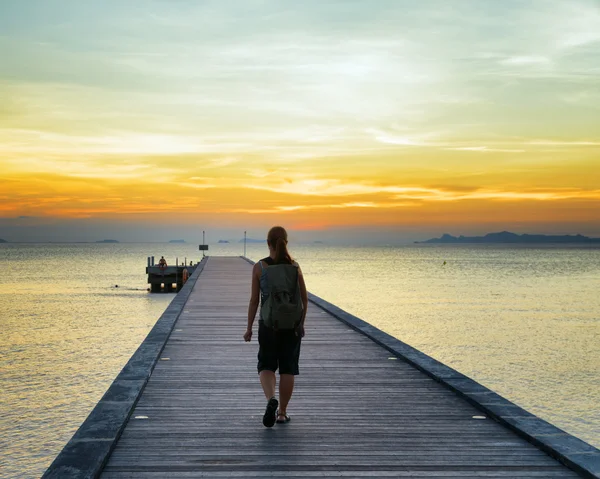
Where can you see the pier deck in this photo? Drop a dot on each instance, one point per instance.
(355, 412)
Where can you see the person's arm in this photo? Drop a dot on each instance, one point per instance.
(304, 297)
(254, 301)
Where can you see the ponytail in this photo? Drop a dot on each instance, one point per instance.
(277, 239)
(281, 253)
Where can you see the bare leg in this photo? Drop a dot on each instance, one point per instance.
(286, 388)
(268, 381)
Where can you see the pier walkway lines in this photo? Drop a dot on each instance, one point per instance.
(358, 410)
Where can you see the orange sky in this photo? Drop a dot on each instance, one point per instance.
(150, 117)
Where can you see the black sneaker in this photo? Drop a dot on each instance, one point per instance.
(270, 413)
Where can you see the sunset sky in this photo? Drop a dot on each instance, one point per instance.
(401, 118)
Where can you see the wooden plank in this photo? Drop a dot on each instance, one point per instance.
(355, 412)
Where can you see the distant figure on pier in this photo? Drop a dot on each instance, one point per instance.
(162, 262)
(281, 323)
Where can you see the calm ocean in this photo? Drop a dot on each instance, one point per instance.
(523, 321)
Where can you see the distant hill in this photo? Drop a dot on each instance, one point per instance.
(3, 241)
(177, 241)
(250, 240)
(508, 237)
(107, 241)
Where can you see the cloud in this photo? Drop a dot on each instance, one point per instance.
(221, 162)
(198, 186)
(123, 143)
(337, 188)
(486, 149)
(526, 60)
(328, 206)
(490, 194)
(395, 140)
(580, 39)
(563, 143)
(333, 187)
(416, 200)
(392, 137)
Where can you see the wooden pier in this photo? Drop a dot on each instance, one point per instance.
(365, 405)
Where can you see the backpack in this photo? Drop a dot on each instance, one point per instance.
(282, 308)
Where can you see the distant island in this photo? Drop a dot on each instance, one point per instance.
(223, 242)
(250, 240)
(107, 241)
(177, 241)
(508, 237)
(3, 241)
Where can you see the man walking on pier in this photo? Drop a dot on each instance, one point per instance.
(278, 283)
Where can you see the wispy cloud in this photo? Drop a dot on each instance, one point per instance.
(526, 60)
(395, 140)
(564, 143)
(333, 187)
(122, 143)
(337, 188)
(221, 162)
(486, 149)
(335, 206)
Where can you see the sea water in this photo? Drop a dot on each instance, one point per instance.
(523, 321)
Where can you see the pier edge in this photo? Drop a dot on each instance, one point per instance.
(88, 450)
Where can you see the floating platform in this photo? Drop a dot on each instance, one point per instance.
(167, 279)
(189, 404)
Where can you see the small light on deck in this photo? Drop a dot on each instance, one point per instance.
(178, 330)
(479, 417)
(141, 417)
(393, 358)
(165, 359)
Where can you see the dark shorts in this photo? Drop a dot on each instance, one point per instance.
(278, 349)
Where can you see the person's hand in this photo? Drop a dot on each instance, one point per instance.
(300, 330)
(248, 335)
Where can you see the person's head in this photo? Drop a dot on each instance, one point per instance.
(277, 241)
